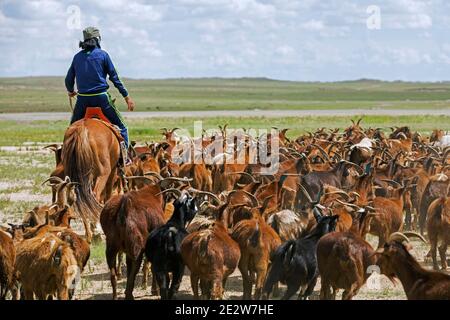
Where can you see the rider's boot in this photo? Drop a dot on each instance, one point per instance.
(126, 159)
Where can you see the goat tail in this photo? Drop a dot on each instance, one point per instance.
(280, 261)
(78, 158)
(254, 238)
(123, 209)
(203, 245)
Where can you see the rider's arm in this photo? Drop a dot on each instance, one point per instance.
(114, 77)
(70, 79)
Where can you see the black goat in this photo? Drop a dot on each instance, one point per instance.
(295, 262)
(162, 248)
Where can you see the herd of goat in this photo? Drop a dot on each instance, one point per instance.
(309, 219)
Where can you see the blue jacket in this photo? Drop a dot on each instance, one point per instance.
(90, 69)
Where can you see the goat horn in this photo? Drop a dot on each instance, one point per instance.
(173, 130)
(58, 179)
(358, 168)
(321, 151)
(355, 194)
(398, 236)
(53, 205)
(154, 174)
(341, 192)
(244, 173)
(255, 201)
(414, 234)
(348, 204)
(52, 147)
(308, 197)
(433, 149)
(178, 192)
(392, 182)
(210, 194)
(185, 179)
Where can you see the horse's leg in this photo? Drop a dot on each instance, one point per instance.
(109, 186)
(101, 184)
(88, 231)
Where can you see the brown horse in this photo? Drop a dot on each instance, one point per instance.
(90, 155)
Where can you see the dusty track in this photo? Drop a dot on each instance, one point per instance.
(31, 116)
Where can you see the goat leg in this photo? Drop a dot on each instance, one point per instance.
(260, 276)
(133, 266)
(194, 285)
(310, 287)
(408, 216)
(442, 254)
(119, 265)
(292, 288)
(433, 249)
(161, 279)
(177, 276)
(111, 255)
(145, 271)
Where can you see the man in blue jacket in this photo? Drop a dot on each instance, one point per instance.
(89, 68)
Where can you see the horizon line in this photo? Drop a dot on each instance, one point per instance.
(244, 78)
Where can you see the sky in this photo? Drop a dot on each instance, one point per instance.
(307, 40)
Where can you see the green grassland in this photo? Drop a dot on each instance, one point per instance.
(18, 133)
(40, 94)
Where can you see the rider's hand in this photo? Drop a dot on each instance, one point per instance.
(72, 94)
(130, 103)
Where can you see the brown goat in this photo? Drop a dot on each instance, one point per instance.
(78, 244)
(395, 260)
(436, 187)
(257, 241)
(389, 217)
(343, 259)
(200, 175)
(438, 227)
(211, 255)
(127, 221)
(46, 266)
(7, 260)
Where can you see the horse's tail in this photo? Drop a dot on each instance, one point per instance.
(78, 161)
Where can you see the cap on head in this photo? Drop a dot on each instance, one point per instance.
(91, 32)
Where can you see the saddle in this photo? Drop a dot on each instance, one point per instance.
(96, 113)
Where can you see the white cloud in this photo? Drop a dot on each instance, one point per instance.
(313, 25)
(285, 50)
(305, 40)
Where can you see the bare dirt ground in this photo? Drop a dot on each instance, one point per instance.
(95, 284)
(233, 113)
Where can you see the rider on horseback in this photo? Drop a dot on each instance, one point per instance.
(90, 67)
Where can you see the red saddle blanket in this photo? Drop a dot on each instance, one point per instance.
(96, 113)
